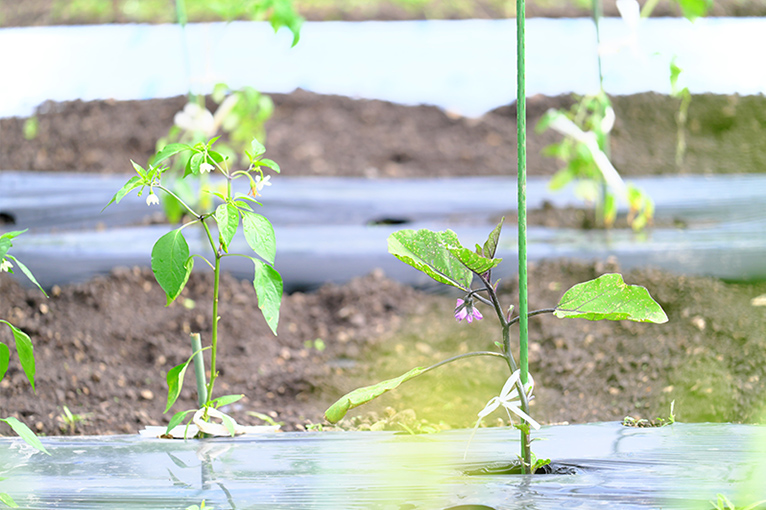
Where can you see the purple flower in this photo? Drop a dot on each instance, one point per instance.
(465, 310)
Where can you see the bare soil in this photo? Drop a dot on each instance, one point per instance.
(103, 347)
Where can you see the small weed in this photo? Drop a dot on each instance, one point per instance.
(68, 421)
(629, 421)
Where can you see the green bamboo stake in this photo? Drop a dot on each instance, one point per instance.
(199, 369)
(521, 146)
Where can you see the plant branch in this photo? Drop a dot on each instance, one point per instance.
(191, 211)
(532, 314)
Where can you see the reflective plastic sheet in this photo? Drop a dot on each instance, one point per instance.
(680, 466)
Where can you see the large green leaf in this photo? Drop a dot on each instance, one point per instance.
(25, 433)
(363, 395)
(227, 218)
(171, 263)
(25, 351)
(133, 183)
(5, 358)
(429, 252)
(268, 288)
(259, 234)
(608, 297)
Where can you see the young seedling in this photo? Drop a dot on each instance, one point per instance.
(441, 256)
(24, 350)
(172, 262)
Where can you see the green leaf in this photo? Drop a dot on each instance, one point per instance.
(5, 241)
(175, 380)
(226, 400)
(428, 251)
(608, 297)
(227, 218)
(363, 395)
(171, 263)
(5, 498)
(560, 179)
(268, 289)
(258, 148)
(28, 273)
(228, 422)
(195, 161)
(693, 9)
(25, 433)
(490, 247)
(477, 263)
(25, 351)
(5, 358)
(269, 163)
(259, 234)
(168, 151)
(133, 183)
(177, 418)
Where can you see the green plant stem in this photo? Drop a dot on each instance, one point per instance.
(532, 314)
(199, 369)
(461, 356)
(521, 146)
(166, 190)
(214, 334)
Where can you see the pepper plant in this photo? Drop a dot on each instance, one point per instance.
(241, 113)
(172, 262)
(24, 350)
(584, 150)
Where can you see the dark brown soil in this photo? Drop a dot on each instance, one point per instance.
(312, 134)
(103, 348)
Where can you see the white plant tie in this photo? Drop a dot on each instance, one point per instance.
(509, 398)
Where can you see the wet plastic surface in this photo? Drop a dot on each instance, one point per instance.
(681, 466)
(461, 65)
(340, 224)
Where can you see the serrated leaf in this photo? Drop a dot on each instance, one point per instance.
(360, 396)
(171, 263)
(490, 246)
(227, 218)
(168, 151)
(259, 234)
(25, 350)
(25, 433)
(608, 297)
(428, 251)
(28, 273)
(177, 419)
(133, 183)
(226, 400)
(5, 358)
(268, 288)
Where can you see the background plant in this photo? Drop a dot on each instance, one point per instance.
(584, 150)
(24, 350)
(172, 262)
(241, 114)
